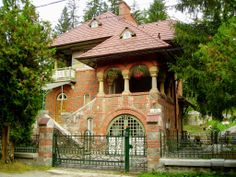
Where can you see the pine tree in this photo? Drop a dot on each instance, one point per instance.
(25, 64)
(114, 6)
(207, 62)
(137, 13)
(94, 8)
(72, 11)
(64, 23)
(156, 12)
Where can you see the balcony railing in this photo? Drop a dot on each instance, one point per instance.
(64, 74)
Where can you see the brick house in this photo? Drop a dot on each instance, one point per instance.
(111, 73)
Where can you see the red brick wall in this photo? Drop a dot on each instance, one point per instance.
(104, 109)
(86, 83)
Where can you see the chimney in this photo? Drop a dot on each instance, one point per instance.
(124, 11)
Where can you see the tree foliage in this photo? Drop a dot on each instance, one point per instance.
(72, 10)
(95, 8)
(205, 65)
(114, 6)
(156, 12)
(64, 23)
(69, 18)
(24, 65)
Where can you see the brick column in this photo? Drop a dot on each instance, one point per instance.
(46, 127)
(153, 145)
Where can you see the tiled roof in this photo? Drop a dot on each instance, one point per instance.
(147, 37)
(164, 28)
(116, 45)
(110, 24)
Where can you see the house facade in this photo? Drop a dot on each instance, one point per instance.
(112, 73)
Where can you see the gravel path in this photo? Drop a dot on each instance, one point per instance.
(67, 173)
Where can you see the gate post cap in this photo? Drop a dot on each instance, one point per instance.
(47, 122)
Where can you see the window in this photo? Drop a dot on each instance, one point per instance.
(127, 33)
(86, 99)
(94, 24)
(90, 125)
(61, 97)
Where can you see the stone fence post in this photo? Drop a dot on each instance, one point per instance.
(45, 153)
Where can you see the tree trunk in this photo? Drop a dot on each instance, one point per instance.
(7, 155)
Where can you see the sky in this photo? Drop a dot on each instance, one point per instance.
(52, 12)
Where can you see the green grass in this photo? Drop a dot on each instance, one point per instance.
(186, 174)
(18, 167)
(193, 128)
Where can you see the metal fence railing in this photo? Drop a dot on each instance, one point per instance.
(98, 151)
(198, 145)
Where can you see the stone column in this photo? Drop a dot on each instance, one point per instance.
(154, 72)
(45, 152)
(125, 74)
(110, 87)
(162, 84)
(101, 84)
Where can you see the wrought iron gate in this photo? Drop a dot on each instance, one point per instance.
(100, 151)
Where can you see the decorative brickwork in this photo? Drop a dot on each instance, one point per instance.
(45, 152)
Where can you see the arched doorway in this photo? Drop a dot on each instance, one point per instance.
(140, 80)
(116, 131)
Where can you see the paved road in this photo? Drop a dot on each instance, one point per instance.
(67, 173)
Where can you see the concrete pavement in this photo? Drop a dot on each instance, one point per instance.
(68, 172)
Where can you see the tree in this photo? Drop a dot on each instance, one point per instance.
(114, 6)
(64, 23)
(137, 13)
(25, 64)
(94, 8)
(69, 18)
(206, 75)
(156, 12)
(72, 10)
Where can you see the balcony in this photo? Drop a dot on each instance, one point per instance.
(64, 74)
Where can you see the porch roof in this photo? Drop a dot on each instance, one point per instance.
(54, 85)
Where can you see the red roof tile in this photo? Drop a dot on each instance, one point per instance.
(164, 28)
(148, 36)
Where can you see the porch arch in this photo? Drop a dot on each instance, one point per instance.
(111, 116)
(119, 123)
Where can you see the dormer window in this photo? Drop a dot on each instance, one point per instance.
(94, 24)
(127, 33)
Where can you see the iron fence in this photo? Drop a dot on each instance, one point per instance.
(198, 145)
(98, 151)
(25, 147)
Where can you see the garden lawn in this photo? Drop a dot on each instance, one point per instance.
(18, 167)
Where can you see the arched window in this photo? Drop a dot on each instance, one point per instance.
(61, 97)
(118, 125)
(86, 99)
(90, 125)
